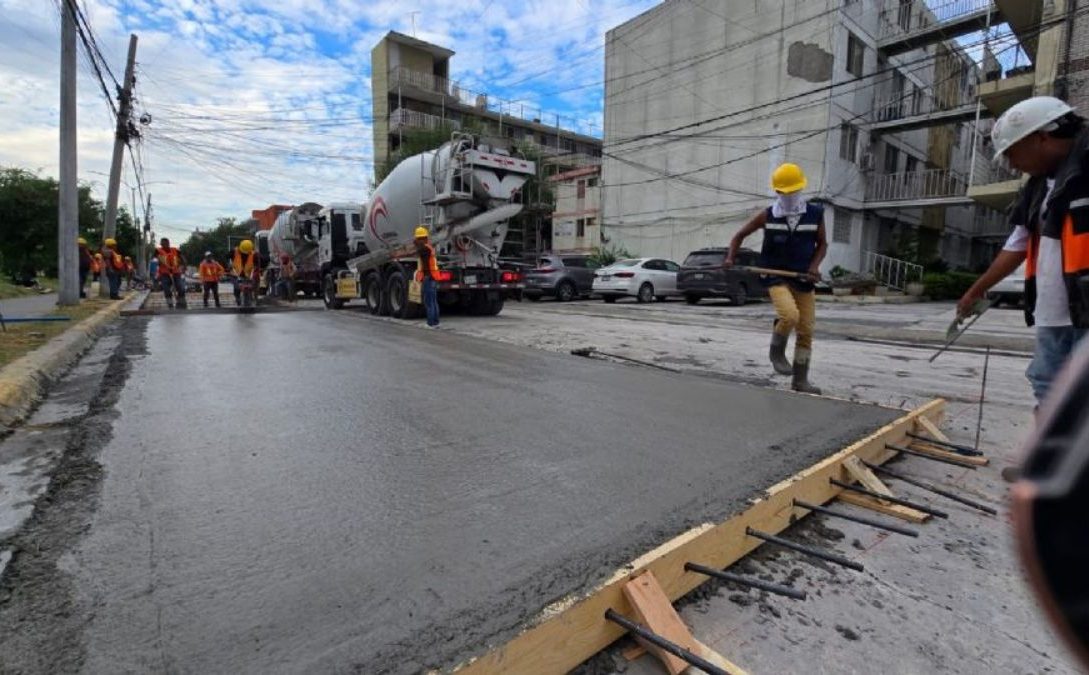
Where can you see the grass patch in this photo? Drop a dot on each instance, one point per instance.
(10, 290)
(22, 338)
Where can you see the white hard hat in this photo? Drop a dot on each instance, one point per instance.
(1028, 116)
(207, 253)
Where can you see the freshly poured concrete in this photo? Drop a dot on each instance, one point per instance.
(327, 493)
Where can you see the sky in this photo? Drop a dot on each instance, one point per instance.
(256, 102)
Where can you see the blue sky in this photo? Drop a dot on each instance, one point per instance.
(268, 101)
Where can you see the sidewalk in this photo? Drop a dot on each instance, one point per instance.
(28, 306)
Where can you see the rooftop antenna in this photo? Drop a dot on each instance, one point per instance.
(412, 17)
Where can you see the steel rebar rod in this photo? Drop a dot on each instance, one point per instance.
(916, 453)
(663, 643)
(932, 488)
(777, 589)
(895, 500)
(955, 447)
(807, 550)
(858, 519)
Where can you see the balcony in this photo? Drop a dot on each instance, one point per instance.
(897, 113)
(917, 189)
(410, 119)
(911, 25)
(999, 95)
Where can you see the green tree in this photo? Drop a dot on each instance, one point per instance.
(217, 240)
(28, 211)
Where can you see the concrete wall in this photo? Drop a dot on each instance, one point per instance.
(380, 101)
(1077, 63)
(570, 209)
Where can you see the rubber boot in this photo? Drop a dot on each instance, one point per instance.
(801, 373)
(777, 354)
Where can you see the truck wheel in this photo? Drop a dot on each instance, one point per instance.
(565, 292)
(646, 293)
(397, 295)
(482, 305)
(330, 294)
(372, 293)
(692, 299)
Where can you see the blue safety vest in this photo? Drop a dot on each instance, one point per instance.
(791, 246)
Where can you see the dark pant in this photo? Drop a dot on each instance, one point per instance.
(213, 288)
(431, 301)
(83, 274)
(114, 279)
(173, 284)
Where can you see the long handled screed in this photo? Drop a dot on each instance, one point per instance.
(772, 272)
(956, 330)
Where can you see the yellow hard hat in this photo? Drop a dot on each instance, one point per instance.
(421, 231)
(788, 178)
(98, 255)
(81, 241)
(111, 242)
(246, 246)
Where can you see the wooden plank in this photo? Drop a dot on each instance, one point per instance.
(633, 652)
(861, 473)
(954, 457)
(896, 510)
(718, 660)
(653, 609)
(574, 629)
(928, 427)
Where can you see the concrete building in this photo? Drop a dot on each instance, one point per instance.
(875, 99)
(576, 222)
(266, 218)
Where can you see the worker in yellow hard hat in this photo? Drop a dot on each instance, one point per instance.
(427, 273)
(794, 242)
(86, 262)
(244, 266)
(171, 270)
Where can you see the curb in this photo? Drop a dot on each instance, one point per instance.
(24, 381)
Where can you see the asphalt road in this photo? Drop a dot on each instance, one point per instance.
(325, 492)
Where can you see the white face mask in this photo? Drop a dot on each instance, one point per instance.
(789, 205)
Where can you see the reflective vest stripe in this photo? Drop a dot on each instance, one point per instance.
(1075, 248)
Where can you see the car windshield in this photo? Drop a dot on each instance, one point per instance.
(704, 260)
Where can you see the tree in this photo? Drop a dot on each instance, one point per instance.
(217, 240)
(28, 211)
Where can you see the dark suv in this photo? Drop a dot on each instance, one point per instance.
(703, 276)
(564, 277)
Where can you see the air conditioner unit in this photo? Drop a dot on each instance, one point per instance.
(866, 161)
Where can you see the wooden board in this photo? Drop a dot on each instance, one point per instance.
(954, 457)
(896, 510)
(574, 629)
(929, 428)
(717, 659)
(652, 608)
(861, 473)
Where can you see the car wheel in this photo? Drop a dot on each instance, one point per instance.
(565, 292)
(692, 299)
(646, 293)
(609, 298)
(742, 295)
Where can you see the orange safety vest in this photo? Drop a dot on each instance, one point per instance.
(210, 272)
(432, 265)
(95, 266)
(244, 267)
(116, 261)
(169, 261)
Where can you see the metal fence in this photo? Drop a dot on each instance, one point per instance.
(900, 18)
(412, 119)
(892, 272)
(899, 105)
(914, 185)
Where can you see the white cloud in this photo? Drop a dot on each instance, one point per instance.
(268, 101)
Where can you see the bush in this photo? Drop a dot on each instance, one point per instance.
(604, 256)
(947, 285)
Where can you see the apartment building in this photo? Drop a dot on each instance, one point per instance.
(875, 99)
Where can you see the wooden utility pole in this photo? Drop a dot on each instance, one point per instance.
(68, 202)
(121, 139)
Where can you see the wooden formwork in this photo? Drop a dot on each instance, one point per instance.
(572, 631)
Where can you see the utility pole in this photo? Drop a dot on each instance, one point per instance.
(68, 202)
(120, 140)
(141, 249)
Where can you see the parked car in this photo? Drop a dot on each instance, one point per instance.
(703, 276)
(564, 277)
(642, 278)
(1010, 290)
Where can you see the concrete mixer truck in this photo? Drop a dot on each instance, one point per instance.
(298, 232)
(464, 192)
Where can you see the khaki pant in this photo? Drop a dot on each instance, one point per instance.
(796, 310)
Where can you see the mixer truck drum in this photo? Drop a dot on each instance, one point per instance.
(463, 243)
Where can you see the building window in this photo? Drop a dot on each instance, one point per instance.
(903, 14)
(581, 189)
(591, 182)
(581, 227)
(848, 142)
(892, 159)
(841, 227)
(856, 52)
(912, 164)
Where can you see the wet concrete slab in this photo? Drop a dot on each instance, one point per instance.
(323, 492)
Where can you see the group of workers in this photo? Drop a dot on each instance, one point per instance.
(169, 269)
(1042, 137)
(107, 264)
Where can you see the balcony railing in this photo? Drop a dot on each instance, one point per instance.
(412, 119)
(916, 185)
(901, 18)
(892, 272)
(898, 106)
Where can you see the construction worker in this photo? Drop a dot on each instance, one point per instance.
(171, 273)
(427, 273)
(86, 262)
(130, 269)
(115, 268)
(1044, 138)
(210, 274)
(96, 267)
(794, 241)
(153, 273)
(244, 265)
(286, 282)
